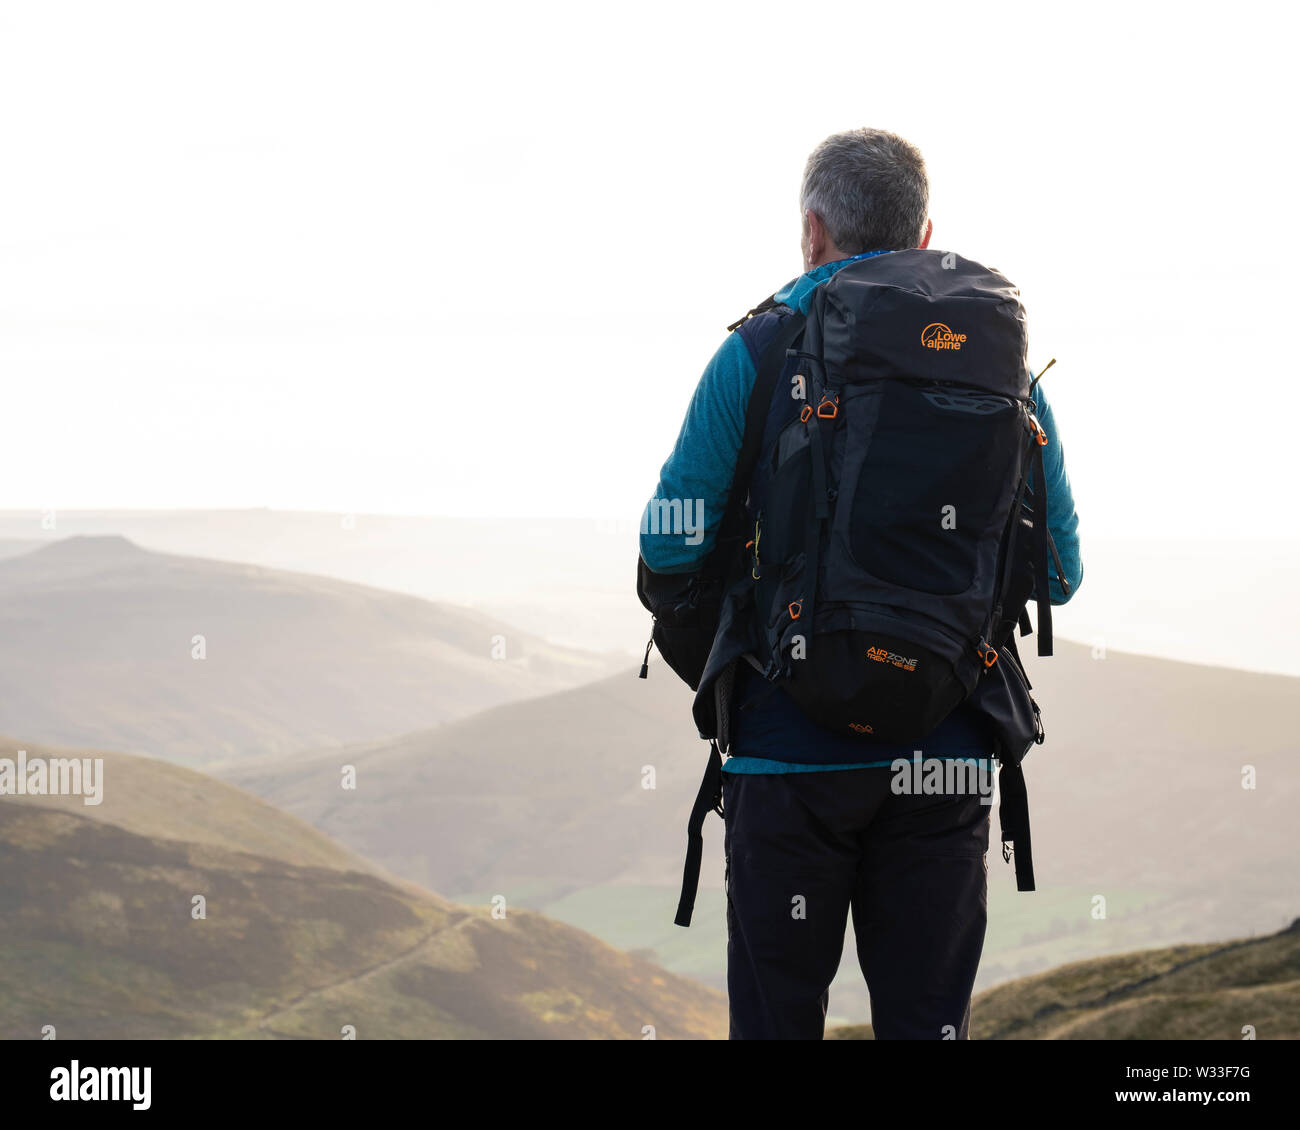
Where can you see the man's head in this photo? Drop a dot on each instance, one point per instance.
(863, 190)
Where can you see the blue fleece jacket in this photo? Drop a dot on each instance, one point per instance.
(700, 469)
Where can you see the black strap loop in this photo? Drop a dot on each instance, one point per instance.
(708, 799)
(1013, 814)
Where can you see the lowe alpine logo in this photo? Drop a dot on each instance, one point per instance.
(938, 336)
(880, 655)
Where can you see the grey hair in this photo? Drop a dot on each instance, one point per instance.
(870, 189)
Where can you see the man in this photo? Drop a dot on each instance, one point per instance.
(813, 826)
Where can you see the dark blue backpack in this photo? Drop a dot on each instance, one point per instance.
(895, 537)
(883, 536)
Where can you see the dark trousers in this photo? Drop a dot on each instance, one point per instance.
(804, 848)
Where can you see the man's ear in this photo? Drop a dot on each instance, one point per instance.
(925, 239)
(815, 239)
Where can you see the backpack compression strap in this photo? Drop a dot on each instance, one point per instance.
(709, 798)
(1042, 538)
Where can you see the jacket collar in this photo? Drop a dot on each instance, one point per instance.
(797, 293)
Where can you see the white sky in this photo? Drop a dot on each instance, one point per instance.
(470, 259)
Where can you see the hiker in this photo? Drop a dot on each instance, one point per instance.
(881, 490)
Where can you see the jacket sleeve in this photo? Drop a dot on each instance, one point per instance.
(1062, 519)
(680, 523)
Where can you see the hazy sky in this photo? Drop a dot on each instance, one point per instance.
(470, 259)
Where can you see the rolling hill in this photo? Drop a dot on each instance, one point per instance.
(1201, 992)
(563, 578)
(1137, 798)
(104, 644)
(159, 800)
(299, 938)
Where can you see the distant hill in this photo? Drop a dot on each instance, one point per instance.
(299, 939)
(1201, 992)
(566, 579)
(163, 801)
(12, 547)
(546, 795)
(1136, 797)
(97, 649)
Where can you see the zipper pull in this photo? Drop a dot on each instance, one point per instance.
(645, 661)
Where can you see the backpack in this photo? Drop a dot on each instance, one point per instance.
(892, 538)
(898, 540)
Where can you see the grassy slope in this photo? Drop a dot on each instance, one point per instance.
(97, 938)
(301, 935)
(1198, 992)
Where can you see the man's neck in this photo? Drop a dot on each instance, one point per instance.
(832, 256)
(838, 257)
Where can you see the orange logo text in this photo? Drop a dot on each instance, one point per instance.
(938, 336)
(880, 655)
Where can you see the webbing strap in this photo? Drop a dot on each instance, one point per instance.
(1013, 542)
(1042, 591)
(1013, 815)
(818, 512)
(708, 799)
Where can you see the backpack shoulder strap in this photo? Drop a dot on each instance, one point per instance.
(760, 400)
(709, 797)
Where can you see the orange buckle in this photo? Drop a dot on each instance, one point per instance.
(805, 413)
(989, 655)
(1039, 434)
(796, 607)
(833, 404)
